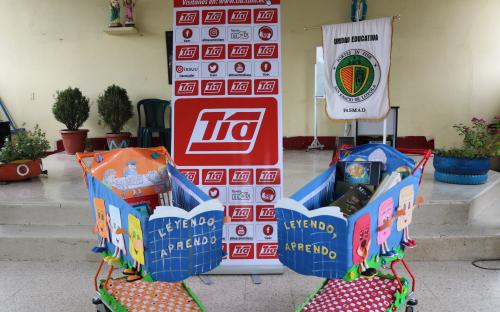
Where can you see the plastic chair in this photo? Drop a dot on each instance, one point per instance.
(154, 111)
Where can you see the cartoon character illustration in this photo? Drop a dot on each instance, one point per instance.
(384, 226)
(136, 248)
(109, 177)
(131, 169)
(405, 213)
(361, 246)
(115, 223)
(101, 226)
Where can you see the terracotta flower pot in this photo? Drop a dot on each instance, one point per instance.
(20, 170)
(118, 140)
(74, 141)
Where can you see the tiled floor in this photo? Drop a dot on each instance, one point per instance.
(441, 287)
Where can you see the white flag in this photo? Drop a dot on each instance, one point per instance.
(357, 62)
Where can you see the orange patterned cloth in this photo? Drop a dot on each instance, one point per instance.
(149, 297)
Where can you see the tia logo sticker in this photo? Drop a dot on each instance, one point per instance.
(187, 18)
(240, 51)
(214, 17)
(240, 176)
(212, 87)
(267, 251)
(268, 176)
(187, 53)
(266, 213)
(226, 131)
(239, 87)
(266, 16)
(211, 52)
(241, 251)
(184, 88)
(357, 75)
(265, 51)
(241, 213)
(264, 86)
(191, 175)
(214, 176)
(239, 16)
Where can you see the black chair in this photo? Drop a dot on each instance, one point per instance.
(154, 111)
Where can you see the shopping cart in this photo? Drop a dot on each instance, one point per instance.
(153, 223)
(316, 238)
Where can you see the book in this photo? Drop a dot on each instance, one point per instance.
(387, 183)
(351, 173)
(354, 199)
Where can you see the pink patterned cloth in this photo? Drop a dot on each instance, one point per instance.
(361, 295)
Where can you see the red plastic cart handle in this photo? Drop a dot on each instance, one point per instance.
(413, 279)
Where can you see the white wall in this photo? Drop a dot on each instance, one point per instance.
(444, 67)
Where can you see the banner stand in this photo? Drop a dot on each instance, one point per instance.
(227, 120)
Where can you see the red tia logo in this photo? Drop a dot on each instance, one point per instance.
(268, 50)
(266, 213)
(267, 251)
(213, 32)
(265, 33)
(187, 18)
(191, 175)
(183, 88)
(213, 51)
(240, 176)
(214, 176)
(241, 213)
(266, 86)
(187, 33)
(266, 16)
(241, 251)
(239, 16)
(213, 17)
(187, 53)
(240, 51)
(212, 87)
(268, 194)
(239, 87)
(231, 131)
(268, 176)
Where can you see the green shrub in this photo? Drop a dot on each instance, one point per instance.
(25, 145)
(114, 108)
(71, 108)
(478, 140)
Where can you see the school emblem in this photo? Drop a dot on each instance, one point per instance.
(357, 75)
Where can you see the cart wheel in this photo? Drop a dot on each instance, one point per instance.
(409, 309)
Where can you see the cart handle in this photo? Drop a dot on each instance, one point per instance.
(413, 279)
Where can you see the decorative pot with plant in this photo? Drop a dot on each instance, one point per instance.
(21, 156)
(72, 109)
(470, 163)
(115, 109)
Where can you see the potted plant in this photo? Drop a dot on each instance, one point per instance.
(72, 109)
(468, 164)
(115, 109)
(20, 157)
